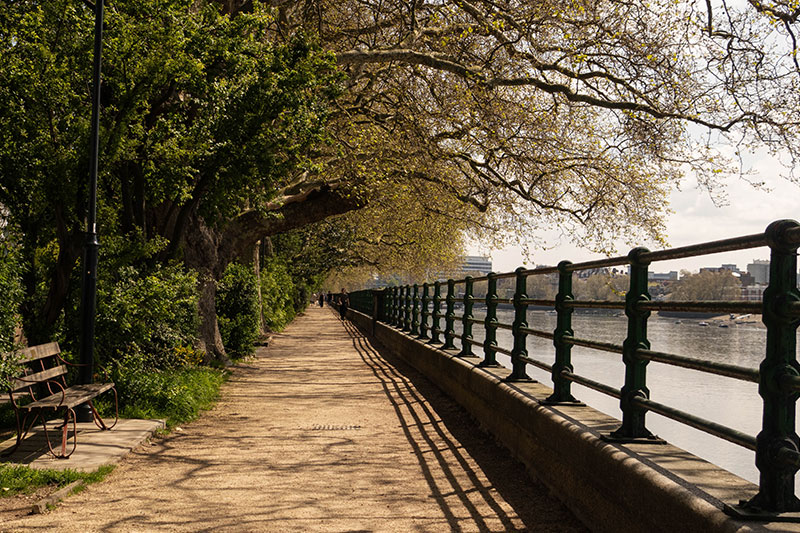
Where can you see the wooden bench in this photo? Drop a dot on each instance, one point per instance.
(43, 382)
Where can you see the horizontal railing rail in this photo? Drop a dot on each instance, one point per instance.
(428, 311)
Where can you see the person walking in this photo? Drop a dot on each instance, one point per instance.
(321, 298)
(344, 301)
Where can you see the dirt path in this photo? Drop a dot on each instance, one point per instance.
(320, 432)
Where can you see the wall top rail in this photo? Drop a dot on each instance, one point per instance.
(541, 270)
(725, 245)
(788, 234)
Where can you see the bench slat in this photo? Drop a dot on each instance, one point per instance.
(75, 395)
(34, 353)
(23, 382)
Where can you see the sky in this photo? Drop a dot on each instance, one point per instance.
(695, 220)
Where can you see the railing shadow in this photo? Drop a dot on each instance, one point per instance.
(489, 476)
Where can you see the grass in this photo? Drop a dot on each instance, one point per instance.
(176, 395)
(25, 480)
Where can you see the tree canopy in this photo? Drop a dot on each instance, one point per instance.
(226, 122)
(572, 112)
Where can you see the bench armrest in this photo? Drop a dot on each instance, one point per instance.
(98, 368)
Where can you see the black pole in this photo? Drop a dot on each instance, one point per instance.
(89, 289)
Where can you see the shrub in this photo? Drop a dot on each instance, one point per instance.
(237, 309)
(277, 294)
(150, 318)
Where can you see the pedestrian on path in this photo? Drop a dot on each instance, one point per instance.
(344, 301)
(321, 298)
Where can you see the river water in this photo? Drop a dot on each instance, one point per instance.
(727, 401)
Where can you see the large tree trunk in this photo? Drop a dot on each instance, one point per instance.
(210, 339)
(256, 258)
(200, 254)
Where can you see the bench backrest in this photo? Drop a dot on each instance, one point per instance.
(41, 351)
(41, 365)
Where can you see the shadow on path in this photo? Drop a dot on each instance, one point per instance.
(429, 417)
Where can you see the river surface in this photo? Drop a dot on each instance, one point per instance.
(727, 401)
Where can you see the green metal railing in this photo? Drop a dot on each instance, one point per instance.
(776, 446)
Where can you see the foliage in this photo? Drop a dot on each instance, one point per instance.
(226, 122)
(11, 289)
(543, 287)
(147, 315)
(237, 309)
(278, 292)
(706, 285)
(414, 231)
(205, 116)
(583, 114)
(16, 479)
(176, 394)
(605, 287)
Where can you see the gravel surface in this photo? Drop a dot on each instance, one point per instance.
(320, 431)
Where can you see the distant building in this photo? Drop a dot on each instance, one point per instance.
(672, 275)
(746, 279)
(759, 269)
(753, 293)
(475, 263)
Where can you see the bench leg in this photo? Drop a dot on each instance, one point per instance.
(69, 413)
(98, 420)
(22, 431)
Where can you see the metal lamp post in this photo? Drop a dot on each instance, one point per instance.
(89, 287)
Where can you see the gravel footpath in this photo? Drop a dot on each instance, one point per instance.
(320, 431)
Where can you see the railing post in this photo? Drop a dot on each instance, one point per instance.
(378, 305)
(450, 316)
(407, 310)
(520, 349)
(490, 322)
(399, 309)
(415, 310)
(633, 417)
(562, 388)
(466, 320)
(423, 324)
(394, 306)
(398, 291)
(437, 302)
(391, 305)
(777, 443)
